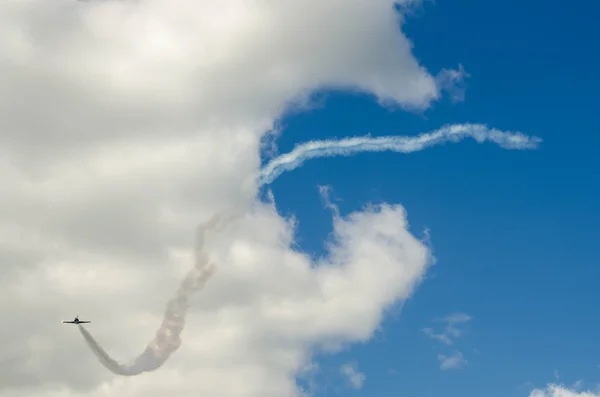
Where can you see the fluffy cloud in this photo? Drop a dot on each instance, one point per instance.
(125, 123)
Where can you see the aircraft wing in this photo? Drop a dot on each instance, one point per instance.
(68, 322)
(84, 322)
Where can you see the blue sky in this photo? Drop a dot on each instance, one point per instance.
(514, 232)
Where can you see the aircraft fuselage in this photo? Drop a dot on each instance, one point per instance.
(76, 321)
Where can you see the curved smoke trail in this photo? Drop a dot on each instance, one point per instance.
(401, 144)
(167, 338)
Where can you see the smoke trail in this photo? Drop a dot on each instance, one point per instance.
(402, 144)
(167, 338)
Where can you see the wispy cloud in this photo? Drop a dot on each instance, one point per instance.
(455, 361)
(451, 330)
(355, 377)
(555, 390)
(441, 336)
(453, 82)
(577, 385)
(307, 375)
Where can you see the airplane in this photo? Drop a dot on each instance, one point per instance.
(76, 321)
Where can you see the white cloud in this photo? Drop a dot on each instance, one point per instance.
(453, 81)
(441, 336)
(455, 361)
(554, 390)
(451, 329)
(578, 384)
(355, 377)
(450, 333)
(123, 125)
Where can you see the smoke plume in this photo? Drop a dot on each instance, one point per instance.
(167, 339)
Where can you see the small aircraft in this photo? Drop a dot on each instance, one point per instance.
(76, 321)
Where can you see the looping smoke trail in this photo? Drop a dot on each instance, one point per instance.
(402, 144)
(167, 338)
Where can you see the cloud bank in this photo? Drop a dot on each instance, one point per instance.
(125, 124)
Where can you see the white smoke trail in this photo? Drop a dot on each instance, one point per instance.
(401, 144)
(167, 339)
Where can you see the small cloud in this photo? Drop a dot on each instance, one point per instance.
(453, 82)
(556, 374)
(456, 361)
(441, 337)
(355, 378)
(392, 371)
(324, 192)
(577, 385)
(456, 318)
(451, 330)
(526, 386)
